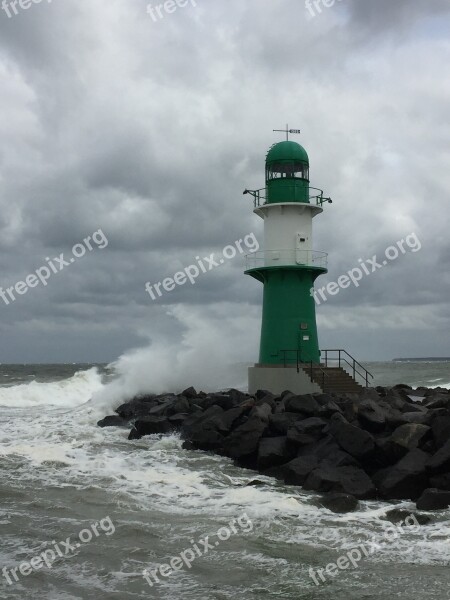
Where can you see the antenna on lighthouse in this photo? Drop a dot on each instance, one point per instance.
(287, 131)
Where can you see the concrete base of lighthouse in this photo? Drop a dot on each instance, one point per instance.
(278, 379)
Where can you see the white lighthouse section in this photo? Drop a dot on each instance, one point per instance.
(288, 236)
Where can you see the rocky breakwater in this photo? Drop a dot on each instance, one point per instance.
(387, 443)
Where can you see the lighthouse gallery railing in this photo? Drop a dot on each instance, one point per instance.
(283, 258)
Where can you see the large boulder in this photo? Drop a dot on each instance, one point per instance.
(272, 452)
(243, 441)
(371, 416)
(306, 405)
(433, 499)
(296, 471)
(113, 421)
(440, 426)
(406, 438)
(151, 425)
(406, 479)
(437, 401)
(190, 393)
(208, 430)
(421, 418)
(170, 405)
(327, 451)
(357, 442)
(328, 406)
(349, 480)
(279, 423)
(339, 503)
(440, 461)
(306, 431)
(441, 482)
(138, 407)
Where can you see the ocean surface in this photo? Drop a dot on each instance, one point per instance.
(103, 509)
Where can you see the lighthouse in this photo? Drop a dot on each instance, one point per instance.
(287, 267)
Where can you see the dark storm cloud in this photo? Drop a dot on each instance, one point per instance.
(151, 131)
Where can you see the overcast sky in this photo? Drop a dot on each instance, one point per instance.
(150, 129)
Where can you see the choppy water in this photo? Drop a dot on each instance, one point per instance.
(59, 474)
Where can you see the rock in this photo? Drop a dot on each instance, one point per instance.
(441, 482)
(371, 416)
(296, 471)
(187, 445)
(406, 479)
(273, 452)
(347, 407)
(440, 462)
(238, 397)
(306, 431)
(270, 400)
(178, 419)
(339, 458)
(190, 392)
(151, 425)
(255, 483)
(134, 435)
(328, 406)
(113, 421)
(234, 417)
(414, 407)
(407, 437)
(437, 401)
(328, 452)
(402, 386)
(170, 405)
(306, 405)
(441, 430)
(339, 503)
(279, 423)
(433, 499)
(262, 393)
(416, 417)
(349, 480)
(399, 515)
(208, 430)
(134, 408)
(222, 400)
(357, 442)
(243, 441)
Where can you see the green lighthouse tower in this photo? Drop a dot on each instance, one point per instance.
(287, 268)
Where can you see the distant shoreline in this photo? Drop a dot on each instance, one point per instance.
(426, 359)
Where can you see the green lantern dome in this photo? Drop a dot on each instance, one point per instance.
(287, 151)
(287, 173)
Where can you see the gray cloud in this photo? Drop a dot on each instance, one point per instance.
(151, 131)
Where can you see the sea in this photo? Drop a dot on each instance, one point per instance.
(85, 513)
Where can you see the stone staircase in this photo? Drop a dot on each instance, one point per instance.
(333, 380)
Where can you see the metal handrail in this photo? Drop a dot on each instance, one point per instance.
(287, 257)
(312, 366)
(311, 363)
(352, 365)
(258, 196)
